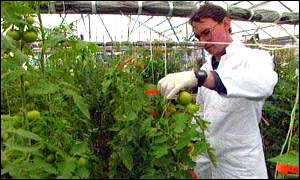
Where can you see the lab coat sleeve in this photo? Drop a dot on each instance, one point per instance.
(248, 73)
(200, 97)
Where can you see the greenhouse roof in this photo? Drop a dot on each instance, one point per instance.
(104, 21)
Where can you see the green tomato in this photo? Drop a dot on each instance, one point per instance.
(50, 158)
(30, 20)
(33, 115)
(192, 108)
(16, 35)
(185, 98)
(26, 83)
(30, 36)
(83, 161)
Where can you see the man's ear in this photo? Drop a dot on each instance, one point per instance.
(227, 23)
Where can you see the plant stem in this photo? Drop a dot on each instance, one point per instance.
(8, 106)
(293, 116)
(22, 84)
(43, 41)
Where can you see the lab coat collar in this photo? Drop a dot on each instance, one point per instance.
(233, 46)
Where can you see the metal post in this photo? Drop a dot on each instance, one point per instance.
(89, 27)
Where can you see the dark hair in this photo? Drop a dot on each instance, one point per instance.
(215, 12)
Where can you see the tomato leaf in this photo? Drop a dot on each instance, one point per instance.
(79, 101)
(186, 138)
(290, 158)
(24, 133)
(22, 148)
(160, 151)
(84, 173)
(180, 122)
(160, 139)
(69, 165)
(43, 88)
(80, 149)
(127, 159)
(7, 43)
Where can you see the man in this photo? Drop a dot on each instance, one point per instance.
(232, 87)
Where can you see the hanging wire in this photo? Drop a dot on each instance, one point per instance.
(262, 27)
(293, 36)
(285, 6)
(64, 12)
(263, 46)
(89, 18)
(105, 28)
(165, 58)
(249, 44)
(173, 29)
(83, 21)
(134, 24)
(128, 29)
(140, 24)
(151, 57)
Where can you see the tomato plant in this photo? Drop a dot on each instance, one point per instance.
(48, 94)
(92, 117)
(136, 132)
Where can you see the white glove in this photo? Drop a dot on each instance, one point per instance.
(173, 83)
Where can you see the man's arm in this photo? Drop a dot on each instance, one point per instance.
(249, 74)
(211, 80)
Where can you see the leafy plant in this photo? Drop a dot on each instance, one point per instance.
(143, 145)
(278, 108)
(69, 114)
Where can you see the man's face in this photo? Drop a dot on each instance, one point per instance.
(209, 30)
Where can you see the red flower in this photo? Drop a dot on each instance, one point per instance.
(286, 169)
(152, 92)
(154, 114)
(282, 169)
(193, 174)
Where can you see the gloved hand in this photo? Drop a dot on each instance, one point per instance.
(173, 83)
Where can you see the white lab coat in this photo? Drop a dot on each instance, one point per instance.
(249, 77)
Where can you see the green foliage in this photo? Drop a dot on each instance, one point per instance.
(50, 146)
(291, 158)
(140, 142)
(92, 117)
(278, 107)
